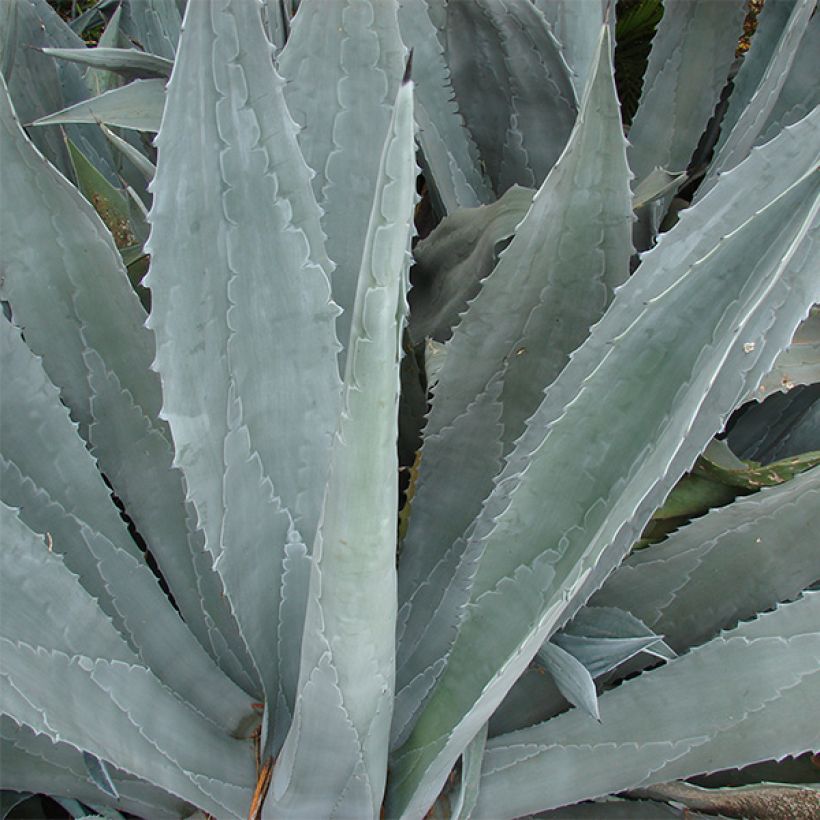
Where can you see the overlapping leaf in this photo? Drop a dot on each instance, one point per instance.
(557, 524)
(344, 705)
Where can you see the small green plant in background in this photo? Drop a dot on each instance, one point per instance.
(204, 606)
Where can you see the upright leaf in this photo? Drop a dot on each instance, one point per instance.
(343, 709)
(556, 524)
(152, 25)
(575, 26)
(749, 124)
(242, 312)
(342, 63)
(688, 66)
(512, 86)
(449, 153)
(553, 281)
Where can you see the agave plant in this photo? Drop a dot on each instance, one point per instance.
(206, 609)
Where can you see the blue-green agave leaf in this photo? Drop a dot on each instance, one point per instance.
(575, 26)
(771, 21)
(39, 84)
(449, 154)
(659, 726)
(42, 601)
(346, 676)
(692, 52)
(98, 771)
(713, 323)
(723, 567)
(130, 62)
(571, 677)
(799, 94)
(253, 442)
(100, 80)
(137, 106)
(604, 637)
(342, 65)
(512, 86)
(745, 131)
(455, 258)
(134, 155)
(516, 336)
(799, 363)
(110, 569)
(101, 702)
(152, 25)
(79, 326)
(39, 765)
(470, 776)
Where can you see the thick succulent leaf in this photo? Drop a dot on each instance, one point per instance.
(342, 64)
(452, 261)
(783, 425)
(536, 283)
(134, 155)
(99, 80)
(512, 86)
(571, 677)
(797, 364)
(152, 25)
(690, 321)
(346, 676)
(771, 21)
(470, 776)
(44, 456)
(799, 94)
(32, 761)
(98, 772)
(725, 566)
(43, 602)
(528, 316)
(108, 567)
(252, 441)
(604, 637)
(660, 726)
(745, 131)
(39, 84)
(137, 106)
(450, 156)
(121, 713)
(690, 59)
(575, 26)
(130, 62)
(95, 348)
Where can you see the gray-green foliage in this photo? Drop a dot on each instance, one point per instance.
(265, 645)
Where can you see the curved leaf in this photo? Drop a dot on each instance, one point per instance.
(728, 565)
(544, 552)
(346, 676)
(659, 726)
